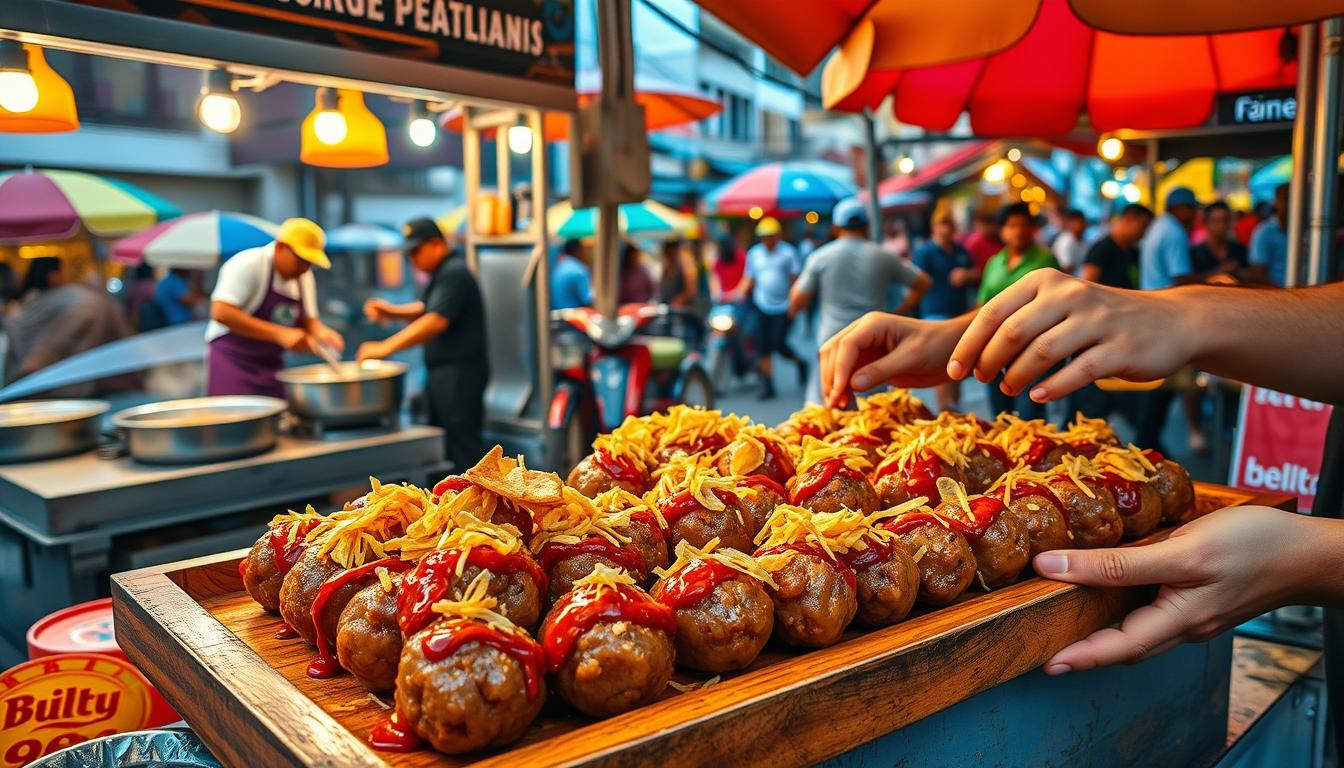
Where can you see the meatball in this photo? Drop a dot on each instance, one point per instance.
(727, 628)
(757, 504)
(518, 596)
(568, 570)
(368, 640)
(1173, 485)
(733, 527)
(589, 478)
(1093, 520)
(614, 667)
(506, 513)
(1044, 521)
(650, 540)
(776, 465)
(814, 602)
(947, 565)
(1138, 503)
(897, 487)
(886, 589)
(984, 465)
(474, 698)
(261, 574)
(1002, 552)
(843, 491)
(300, 588)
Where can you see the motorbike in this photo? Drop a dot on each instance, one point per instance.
(645, 359)
(729, 353)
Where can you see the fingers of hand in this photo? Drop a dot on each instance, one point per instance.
(1047, 349)
(1163, 562)
(1015, 335)
(986, 324)
(1096, 363)
(844, 358)
(1144, 633)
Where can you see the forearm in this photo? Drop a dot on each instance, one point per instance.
(417, 332)
(406, 312)
(1284, 340)
(243, 324)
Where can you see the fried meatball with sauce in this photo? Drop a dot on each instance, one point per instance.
(368, 639)
(1044, 521)
(946, 565)
(886, 589)
(757, 504)
(814, 602)
(1002, 552)
(727, 628)
(518, 596)
(261, 574)
(732, 526)
(615, 667)
(984, 465)
(842, 491)
(1176, 490)
(474, 698)
(589, 478)
(299, 591)
(1140, 507)
(650, 541)
(893, 488)
(568, 570)
(1093, 519)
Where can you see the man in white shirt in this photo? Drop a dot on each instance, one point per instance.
(1068, 245)
(265, 302)
(772, 266)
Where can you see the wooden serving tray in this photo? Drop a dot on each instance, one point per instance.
(211, 651)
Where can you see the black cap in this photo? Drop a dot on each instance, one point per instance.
(417, 232)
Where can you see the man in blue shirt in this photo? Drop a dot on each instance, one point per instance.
(949, 267)
(1269, 243)
(571, 286)
(1164, 253)
(772, 266)
(175, 298)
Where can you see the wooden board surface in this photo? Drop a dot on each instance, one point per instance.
(1261, 672)
(211, 651)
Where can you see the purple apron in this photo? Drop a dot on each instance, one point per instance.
(237, 365)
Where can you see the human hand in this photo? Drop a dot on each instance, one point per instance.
(879, 347)
(329, 337)
(1048, 316)
(295, 340)
(375, 310)
(372, 350)
(1215, 573)
(959, 276)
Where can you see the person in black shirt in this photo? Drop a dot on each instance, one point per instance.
(1114, 259)
(1221, 258)
(449, 321)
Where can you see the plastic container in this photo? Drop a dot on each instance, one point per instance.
(87, 628)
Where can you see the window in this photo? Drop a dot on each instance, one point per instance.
(122, 92)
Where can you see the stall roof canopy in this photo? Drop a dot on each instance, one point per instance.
(966, 159)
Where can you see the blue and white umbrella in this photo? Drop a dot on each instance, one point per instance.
(362, 237)
(194, 241)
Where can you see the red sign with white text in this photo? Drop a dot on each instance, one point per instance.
(1280, 439)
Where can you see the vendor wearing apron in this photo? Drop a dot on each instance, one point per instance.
(450, 322)
(265, 302)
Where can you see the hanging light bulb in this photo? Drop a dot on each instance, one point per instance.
(520, 137)
(421, 129)
(328, 123)
(1111, 149)
(341, 132)
(218, 108)
(18, 89)
(906, 164)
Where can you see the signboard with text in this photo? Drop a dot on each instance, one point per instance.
(1280, 439)
(1262, 107)
(531, 39)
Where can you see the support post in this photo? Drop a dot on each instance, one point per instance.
(872, 152)
(616, 55)
(1294, 217)
(1325, 154)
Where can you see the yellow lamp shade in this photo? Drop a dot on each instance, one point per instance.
(362, 144)
(55, 110)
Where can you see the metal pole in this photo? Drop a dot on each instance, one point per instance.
(1302, 126)
(540, 184)
(471, 171)
(1150, 162)
(1325, 154)
(872, 150)
(616, 54)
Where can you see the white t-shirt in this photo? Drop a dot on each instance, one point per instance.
(772, 274)
(1069, 252)
(242, 283)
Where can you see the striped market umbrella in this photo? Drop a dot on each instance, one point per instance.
(362, 237)
(649, 218)
(47, 204)
(782, 189)
(195, 241)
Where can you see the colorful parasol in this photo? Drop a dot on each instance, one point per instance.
(194, 241)
(45, 204)
(1062, 70)
(649, 218)
(362, 237)
(781, 189)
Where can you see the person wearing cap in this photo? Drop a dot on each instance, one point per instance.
(264, 303)
(772, 266)
(849, 277)
(449, 322)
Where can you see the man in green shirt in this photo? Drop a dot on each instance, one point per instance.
(1020, 256)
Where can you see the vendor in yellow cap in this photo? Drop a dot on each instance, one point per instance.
(265, 302)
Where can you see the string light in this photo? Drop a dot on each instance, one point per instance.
(520, 138)
(18, 89)
(218, 108)
(1014, 154)
(1111, 149)
(421, 129)
(906, 164)
(329, 124)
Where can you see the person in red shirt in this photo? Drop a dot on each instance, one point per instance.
(983, 242)
(729, 264)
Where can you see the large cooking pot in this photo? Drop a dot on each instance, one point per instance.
(200, 429)
(351, 393)
(44, 429)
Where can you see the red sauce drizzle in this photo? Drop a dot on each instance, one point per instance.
(859, 559)
(854, 438)
(677, 506)
(445, 638)
(620, 468)
(765, 482)
(984, 511)
(818, 476)
(691, 584)
(578, 612)
(777, 462)
(651, 520)
(707, 443)
(812, 550)
(909, 522)
(431, 578)
(1084, 448)
(391, 734)
(1027, 488)
(242, 568)
(994, 452)
(287, 552)
(627, 557)
(286, 632)
(1154, 457)
(1035, 454)
(1128, 499)
(451, 483)
(325, 665)
(808, 429)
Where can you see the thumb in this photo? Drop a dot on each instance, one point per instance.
(1158, 563)
(896, 362)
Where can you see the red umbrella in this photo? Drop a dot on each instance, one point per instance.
(1062, 69)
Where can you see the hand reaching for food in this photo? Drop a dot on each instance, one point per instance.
(881, 348)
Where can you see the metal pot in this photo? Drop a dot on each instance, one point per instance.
(44, 429)
(200, 429)
(351, 393)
